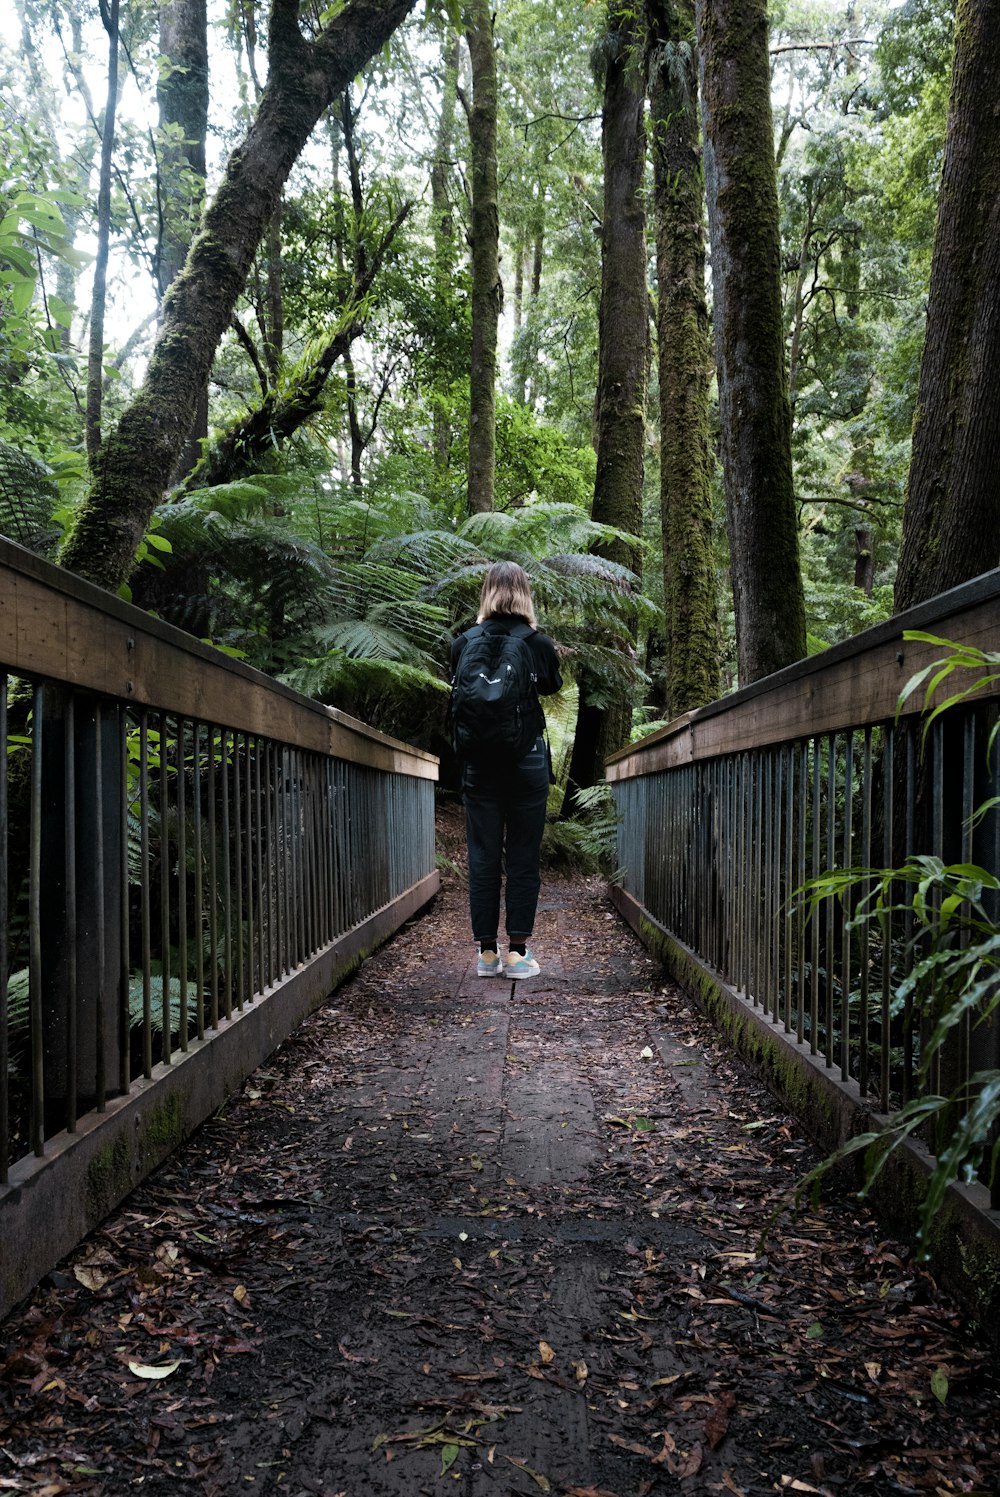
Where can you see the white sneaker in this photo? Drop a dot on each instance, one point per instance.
(521, 966)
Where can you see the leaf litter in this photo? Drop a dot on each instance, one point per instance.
(280, 1308)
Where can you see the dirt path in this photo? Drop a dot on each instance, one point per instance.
(500, 1238)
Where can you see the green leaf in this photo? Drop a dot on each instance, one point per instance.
(814, 1332)
(449, 1455)
(939, 1384)
(60, 311)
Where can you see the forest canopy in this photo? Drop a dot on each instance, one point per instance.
(307, 315)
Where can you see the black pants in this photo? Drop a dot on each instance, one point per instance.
(504, 821)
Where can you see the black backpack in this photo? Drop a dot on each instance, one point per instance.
(495, 712)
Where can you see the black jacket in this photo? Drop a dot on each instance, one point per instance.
(542, 648)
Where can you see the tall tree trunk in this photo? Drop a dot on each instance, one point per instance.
(487, 291)
(133, 466)
(443, 221)
(951, 525)
(749, 339)
(274, 342)
(622, 365)
(692, 621)
(182, 97)
(95, 361)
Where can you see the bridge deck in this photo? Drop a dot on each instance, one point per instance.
(504, 1231)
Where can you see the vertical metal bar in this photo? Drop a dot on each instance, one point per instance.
(909, 802)
(244, 970)
(815, 916)
(271, 864)
(756, 932)
(182, 891)
(864, 938)
(70, 927)
(264, 922)
(767, 837)
(789, 883)
(125, 948)
(199, 892)
(964, 1040)
(831, 857)
(213, 886)
(225, 762)
(165, 887)
(246, 781)
(101, 1077)
(803, 811)
(146, 916)
(846, 910)
(282, 860)
(37, 1121)
(888, 920)
(4, 951)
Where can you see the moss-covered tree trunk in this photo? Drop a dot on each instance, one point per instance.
(684, 357)
(623, 354)
(182, 99)
(487, 291)
(755, 439)
(951, 525)
(133, 466)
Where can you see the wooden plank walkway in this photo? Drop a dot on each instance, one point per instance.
(487, 1237)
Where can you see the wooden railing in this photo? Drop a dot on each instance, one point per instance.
(731, 809)
(191, 855)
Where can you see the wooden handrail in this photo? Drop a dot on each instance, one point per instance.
(58, 626)
(851, 685)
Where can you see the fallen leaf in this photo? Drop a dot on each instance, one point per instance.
(90, 1276)
(717, 1422)
(632, 1445)
(546, 1353)
(939, 1384)
(580, 1371)
(540, 1481)
(147, 1370)
(691, 1464)
(449, 1455)
(240, 1293)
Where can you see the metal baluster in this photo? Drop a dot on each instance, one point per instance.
(70, 920)
(4, 949)
(831, 863)
(864, 943)
(228, 761)
(815, 917)
(37, 1121)
(845, 955)
(146, 914)
(244, 961)
(182, 941)
(101, 1072)
(165, 886)
(213, 887)
(199, 893)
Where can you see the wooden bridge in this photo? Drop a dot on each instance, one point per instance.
(193, 856)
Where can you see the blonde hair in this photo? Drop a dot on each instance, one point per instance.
(506, 590)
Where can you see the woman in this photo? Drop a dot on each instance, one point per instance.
(506, 792)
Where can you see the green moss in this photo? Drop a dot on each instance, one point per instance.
(164, 1128)
(108, 1179)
